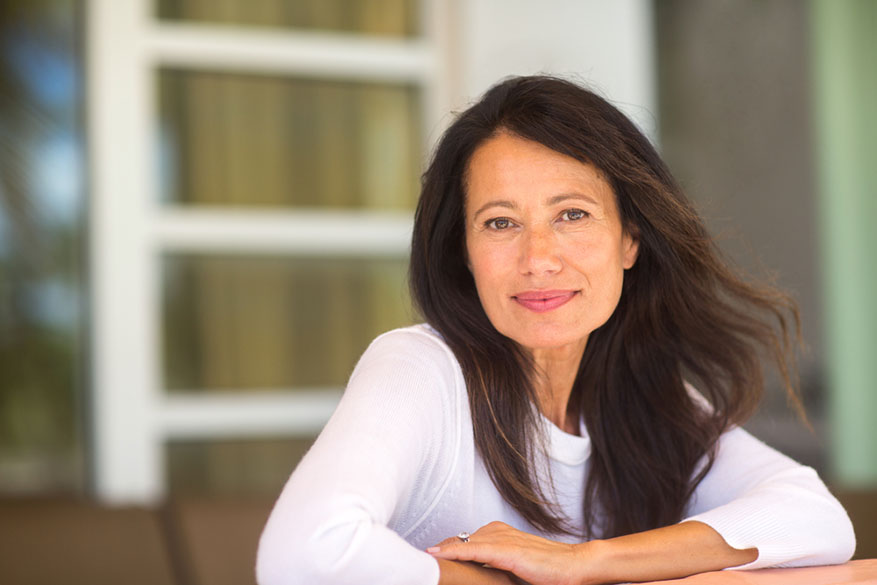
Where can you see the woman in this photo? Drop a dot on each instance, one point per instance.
(571, 295)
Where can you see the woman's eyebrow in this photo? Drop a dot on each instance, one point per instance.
(497, 203)
(570, 196)
(551, 201)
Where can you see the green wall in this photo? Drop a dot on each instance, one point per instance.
(845, 106)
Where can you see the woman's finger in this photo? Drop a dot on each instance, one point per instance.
(491, 544)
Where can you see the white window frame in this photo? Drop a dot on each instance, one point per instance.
(133, 417)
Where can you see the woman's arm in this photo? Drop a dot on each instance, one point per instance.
(665, 553)
(754, 496)
(376, 461)
(466, 573)
(755, 508)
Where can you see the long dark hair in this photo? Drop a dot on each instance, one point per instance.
(684, 315)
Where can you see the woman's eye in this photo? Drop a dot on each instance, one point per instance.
(573, 214)
(499, 223)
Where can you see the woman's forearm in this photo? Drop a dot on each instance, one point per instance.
(665, 553)
(464, 573)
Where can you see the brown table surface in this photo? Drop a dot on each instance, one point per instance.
(853, 573)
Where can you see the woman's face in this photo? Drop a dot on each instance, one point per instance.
(544, 242)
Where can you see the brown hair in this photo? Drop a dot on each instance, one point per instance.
(683, 315)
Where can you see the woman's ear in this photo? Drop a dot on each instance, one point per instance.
(630, 242)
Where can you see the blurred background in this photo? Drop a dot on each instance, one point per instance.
(205, 208)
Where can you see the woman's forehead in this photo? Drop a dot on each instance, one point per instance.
(509, 168)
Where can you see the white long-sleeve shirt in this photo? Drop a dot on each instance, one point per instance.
(396, 470)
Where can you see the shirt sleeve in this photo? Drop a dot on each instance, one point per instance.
(756, 497)
(381, 450)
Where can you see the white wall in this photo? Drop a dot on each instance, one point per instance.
(607, 44)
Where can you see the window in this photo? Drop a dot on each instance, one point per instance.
(256, 164)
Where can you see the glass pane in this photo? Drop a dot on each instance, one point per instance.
(42, 252)
(249, 140)
(275, 323)
(232, 468)
(397, 18)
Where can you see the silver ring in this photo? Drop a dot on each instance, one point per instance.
(464, 536)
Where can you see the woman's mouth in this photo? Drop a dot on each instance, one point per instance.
(542, 301)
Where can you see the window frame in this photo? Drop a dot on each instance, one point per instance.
(133, 416)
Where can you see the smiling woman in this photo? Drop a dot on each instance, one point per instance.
(573, 302)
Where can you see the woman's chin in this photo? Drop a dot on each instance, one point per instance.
(546, 342)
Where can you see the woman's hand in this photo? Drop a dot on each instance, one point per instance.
(533, 559)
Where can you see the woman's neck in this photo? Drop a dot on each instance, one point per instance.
(556, 370)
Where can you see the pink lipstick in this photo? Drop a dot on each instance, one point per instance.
(541, 301)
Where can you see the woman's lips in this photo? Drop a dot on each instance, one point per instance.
(544, 300)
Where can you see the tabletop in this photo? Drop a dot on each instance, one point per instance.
(859, 572)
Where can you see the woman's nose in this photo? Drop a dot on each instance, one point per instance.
(539, 252)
